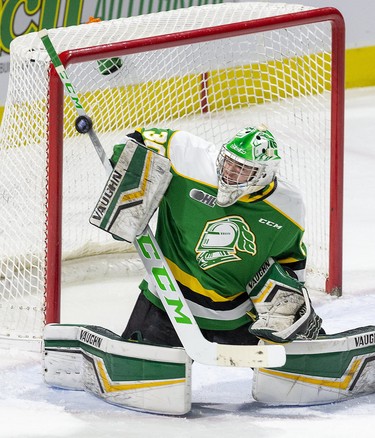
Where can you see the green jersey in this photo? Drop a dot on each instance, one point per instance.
(215, 251)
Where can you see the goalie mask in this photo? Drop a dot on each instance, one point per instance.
(246, 164)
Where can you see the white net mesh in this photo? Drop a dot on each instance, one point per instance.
(281, 77)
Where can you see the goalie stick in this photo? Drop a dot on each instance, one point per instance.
(195, 344)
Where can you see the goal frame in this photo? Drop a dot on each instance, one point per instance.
(55, 133)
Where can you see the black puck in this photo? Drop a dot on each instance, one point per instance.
(83, 124)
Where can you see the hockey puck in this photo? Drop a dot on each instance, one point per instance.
(83, 124)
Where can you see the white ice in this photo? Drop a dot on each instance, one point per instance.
(222, 402)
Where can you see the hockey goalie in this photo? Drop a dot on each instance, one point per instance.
(243, 279)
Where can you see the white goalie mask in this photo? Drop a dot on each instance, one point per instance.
(246, 164)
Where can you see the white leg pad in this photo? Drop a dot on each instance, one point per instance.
(138, 376)
(329, 369)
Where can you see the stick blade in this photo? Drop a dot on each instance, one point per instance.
(254, 356)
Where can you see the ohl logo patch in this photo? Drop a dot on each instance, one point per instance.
(221, 239)
(203, 197)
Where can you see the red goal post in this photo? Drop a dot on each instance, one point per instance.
(279, 84)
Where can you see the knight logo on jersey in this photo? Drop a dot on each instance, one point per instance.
(222, 239)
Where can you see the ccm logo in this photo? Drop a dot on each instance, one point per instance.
(270, 223)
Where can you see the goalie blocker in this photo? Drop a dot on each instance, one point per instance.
(133, 192)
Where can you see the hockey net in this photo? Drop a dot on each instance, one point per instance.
(211, 70)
